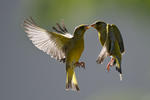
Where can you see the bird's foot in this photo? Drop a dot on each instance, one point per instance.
(110, 64)
(108, 67)
(80, 64)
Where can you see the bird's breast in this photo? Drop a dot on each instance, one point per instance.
(75, 50)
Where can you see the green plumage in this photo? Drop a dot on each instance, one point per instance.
(63, 47)
(111, 41)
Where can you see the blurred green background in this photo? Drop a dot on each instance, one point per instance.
(26, 73)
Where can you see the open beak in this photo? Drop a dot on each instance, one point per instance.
(88, 26)
(92, 25)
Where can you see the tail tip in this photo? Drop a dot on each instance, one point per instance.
(73, 87)
(120, 77)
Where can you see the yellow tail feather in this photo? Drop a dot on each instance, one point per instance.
(71, 81)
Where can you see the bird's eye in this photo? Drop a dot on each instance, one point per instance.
(99, 23)
(82, 28)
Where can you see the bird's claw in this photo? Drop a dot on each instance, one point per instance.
(110, 64)
(108, 67)
(80, 64)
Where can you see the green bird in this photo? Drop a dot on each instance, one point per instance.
(112, 42)
(63, 47)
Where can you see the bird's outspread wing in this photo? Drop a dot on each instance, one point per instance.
(50, 42)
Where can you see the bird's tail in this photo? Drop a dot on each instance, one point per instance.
(118, 66)
(71, 81)
(103, 54)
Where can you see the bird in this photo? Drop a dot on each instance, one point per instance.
(60, 45)
(112, 43)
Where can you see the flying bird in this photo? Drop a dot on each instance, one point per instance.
(112, 43)
(60, 45)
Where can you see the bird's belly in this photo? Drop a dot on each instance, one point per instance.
(75, 52)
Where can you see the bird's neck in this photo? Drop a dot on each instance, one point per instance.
(78, 37)
(102, 30)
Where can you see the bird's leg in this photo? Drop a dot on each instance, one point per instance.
(110, 64)
(77, 64)
(80, 64)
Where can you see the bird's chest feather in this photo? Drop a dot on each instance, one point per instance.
(76, 49)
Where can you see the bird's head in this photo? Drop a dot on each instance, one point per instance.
(80, 30)
(99, 25)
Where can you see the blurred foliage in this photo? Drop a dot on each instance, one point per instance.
(72, 11)
(75, 12)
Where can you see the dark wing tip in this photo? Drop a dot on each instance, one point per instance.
(119, 70)
(60, 28)
(63, 60)
(29, 21)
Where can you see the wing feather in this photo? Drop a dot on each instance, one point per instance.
(50, 42)
(118, 37)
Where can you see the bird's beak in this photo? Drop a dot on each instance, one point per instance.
(88, 26)
(93, 25)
